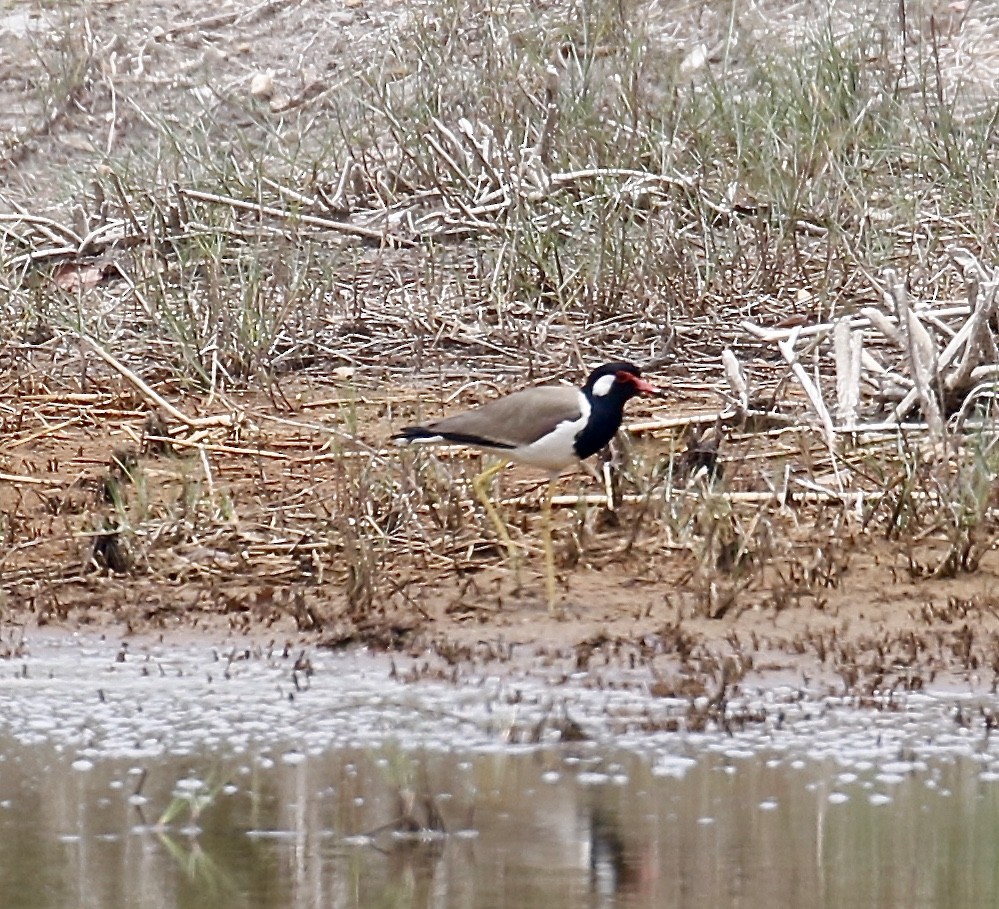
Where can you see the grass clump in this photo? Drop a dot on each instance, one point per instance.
(478, 194)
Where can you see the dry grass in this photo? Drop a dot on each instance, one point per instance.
(476, 197)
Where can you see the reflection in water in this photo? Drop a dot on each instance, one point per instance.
(190, 778)
(545, 828)
(614, 868)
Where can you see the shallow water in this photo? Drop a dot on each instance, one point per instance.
(190, 776)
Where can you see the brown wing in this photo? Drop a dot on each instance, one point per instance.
(514, 420)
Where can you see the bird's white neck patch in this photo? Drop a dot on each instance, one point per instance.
(603, 385)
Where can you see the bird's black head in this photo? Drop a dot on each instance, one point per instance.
(608, 389)
(617, 382)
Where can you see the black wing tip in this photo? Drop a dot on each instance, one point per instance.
(425, 434)
(414, 434)
(464, 438)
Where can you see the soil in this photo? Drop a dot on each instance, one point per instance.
(106, 524)
(835, 605)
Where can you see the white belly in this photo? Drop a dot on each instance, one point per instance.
(553, 452)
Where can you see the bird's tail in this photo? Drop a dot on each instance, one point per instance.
(413, 434)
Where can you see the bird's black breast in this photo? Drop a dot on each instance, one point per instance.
(605, 420)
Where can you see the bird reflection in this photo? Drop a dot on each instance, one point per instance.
(618, 866)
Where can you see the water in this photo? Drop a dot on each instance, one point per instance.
(190, 776)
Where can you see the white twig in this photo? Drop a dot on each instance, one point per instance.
(921, 350)
(353, 230)
(849, 347)
(811, 390)
(736, 378)
(154, 398)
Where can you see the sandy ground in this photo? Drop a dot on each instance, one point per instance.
(845, 608)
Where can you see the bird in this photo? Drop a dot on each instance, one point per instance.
(549, 427)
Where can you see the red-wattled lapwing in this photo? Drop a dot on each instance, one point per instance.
(551, 427)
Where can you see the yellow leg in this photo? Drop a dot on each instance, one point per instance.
(481, 486)
(546, 520)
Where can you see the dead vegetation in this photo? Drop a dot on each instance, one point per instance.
(206, 342)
